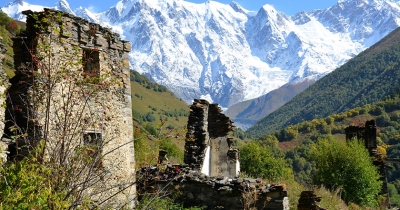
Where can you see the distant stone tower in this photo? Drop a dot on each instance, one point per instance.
(367, 135)
(207, 144)
(72, 88)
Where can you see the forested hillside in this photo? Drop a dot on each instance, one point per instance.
(298, 143)
(365, 79)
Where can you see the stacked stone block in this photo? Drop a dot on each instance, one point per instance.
(207, 144)
(219, 124)
(197, 136)
(197, 189)
(309, 201)
(3, 86)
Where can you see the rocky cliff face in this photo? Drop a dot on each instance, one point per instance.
(227, 54)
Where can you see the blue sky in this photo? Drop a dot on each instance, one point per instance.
(289, 7)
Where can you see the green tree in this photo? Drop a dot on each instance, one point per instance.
(4, 19)
(259, 161)
(347, 167)
(383, 120)
(272, 143)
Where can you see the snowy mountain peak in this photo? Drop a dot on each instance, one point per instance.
(88, 15)
(20, 2)
(63, 5)
(237, 7)
(269, 8)
(268, 11)
(15, 8)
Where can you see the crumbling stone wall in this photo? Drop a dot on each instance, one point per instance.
(197, 137)
(207, 144)
(108, 114)
(192, 188)
(366, 134)
(3, 86)
(209, 176)
(309, 201)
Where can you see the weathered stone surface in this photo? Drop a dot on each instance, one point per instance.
(214, 192)
(308, 201)
(207, 143)
(3, 86)
(217, 186)
(101, 42)
(127, 46)
(109, 113)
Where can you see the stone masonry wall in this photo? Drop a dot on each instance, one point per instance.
(107, 113)
(192, 188)
(209, 176)
(207, 144)
(3, 85)
(197, 136)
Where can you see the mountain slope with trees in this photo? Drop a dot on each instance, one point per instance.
(367, 78)
(308, 145)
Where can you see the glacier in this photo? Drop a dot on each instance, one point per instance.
(227, 54)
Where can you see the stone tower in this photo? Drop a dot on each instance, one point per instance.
(72, 94)
(207, 144)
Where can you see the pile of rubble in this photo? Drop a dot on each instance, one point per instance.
(308, 201)
(197, 189)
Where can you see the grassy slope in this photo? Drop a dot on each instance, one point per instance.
(161, 101)
(365, 79)
(156, 102)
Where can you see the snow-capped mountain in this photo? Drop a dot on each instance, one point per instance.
(15, 8)
(87, 14)
(63, 5)
(228, 54)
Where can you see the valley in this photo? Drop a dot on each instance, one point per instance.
(290, 84)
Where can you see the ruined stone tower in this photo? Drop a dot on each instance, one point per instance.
(207, 144)
(367, 135)
(71, 94)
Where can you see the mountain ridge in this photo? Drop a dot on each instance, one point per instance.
(247, 113)
(226, 54)
(365, 79)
